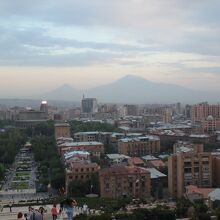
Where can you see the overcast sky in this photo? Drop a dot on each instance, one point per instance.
(46, 43)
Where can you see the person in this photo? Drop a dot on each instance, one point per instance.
(69, 204)
(26, 216)
(61, 207)
(42, 211)
(10, 206)
(36, 215)
(20, 216)
(85, 209)
(54, 212)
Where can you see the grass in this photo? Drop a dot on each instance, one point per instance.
(20, 185)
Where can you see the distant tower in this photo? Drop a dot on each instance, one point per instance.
(89, 105)
(44, 107)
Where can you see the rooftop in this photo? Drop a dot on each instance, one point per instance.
(72, 144)
(149, 157)
(74, 153)
(144, 138)
(62, 125)
(117, 156)
(154, 173)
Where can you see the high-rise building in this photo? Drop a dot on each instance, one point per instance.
(189, 167)
(131, 109)
(89, 105)
(188, 111)
(44, 107)
(167, 115)
(207, 116)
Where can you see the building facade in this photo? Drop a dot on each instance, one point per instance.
(207, 116)
(139, 146)
(125, 182)
(62, 130)
(94, 148)
(89, 105)
(190, 168)
(82, 171)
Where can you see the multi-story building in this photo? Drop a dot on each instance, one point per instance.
(94, 148)
(191, 167)
(29, 118)
(208, 116)
(124, 181)
(89, 105)
(139, 146)
(81, 170)
(186, 147)
(62, 130)
(44, 107)
(188, 111)
(131, 109)
(87, 136)
(167, 115)
(216, 168)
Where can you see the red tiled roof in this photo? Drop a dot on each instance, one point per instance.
(157, 163)
(203, 191)
(135, 161)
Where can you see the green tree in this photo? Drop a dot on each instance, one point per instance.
(2, 170)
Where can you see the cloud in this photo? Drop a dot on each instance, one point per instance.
(131, 33)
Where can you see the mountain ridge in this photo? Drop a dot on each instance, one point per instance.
(130, 89)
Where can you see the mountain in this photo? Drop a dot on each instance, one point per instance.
(64, 92)
(132, 89)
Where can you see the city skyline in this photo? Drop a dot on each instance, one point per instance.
(88, 44)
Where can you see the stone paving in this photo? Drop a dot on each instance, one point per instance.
(7, 215)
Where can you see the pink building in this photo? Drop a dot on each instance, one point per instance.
(208, 116)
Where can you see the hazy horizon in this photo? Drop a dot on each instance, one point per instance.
(91, 43)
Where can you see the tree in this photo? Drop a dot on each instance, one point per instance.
(78, 188)
(182, 207)
(2, 170)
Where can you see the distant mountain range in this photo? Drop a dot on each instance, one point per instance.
(132, 89)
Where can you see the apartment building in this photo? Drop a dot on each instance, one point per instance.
(208, 116)
(139, 146)
(122, 181)
(89, 105)
(191, 167)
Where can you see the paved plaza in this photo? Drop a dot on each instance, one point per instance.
(7, 215)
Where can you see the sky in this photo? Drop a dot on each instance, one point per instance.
(87, 43)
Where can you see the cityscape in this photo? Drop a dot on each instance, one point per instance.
(116, 159)
(110, 110)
